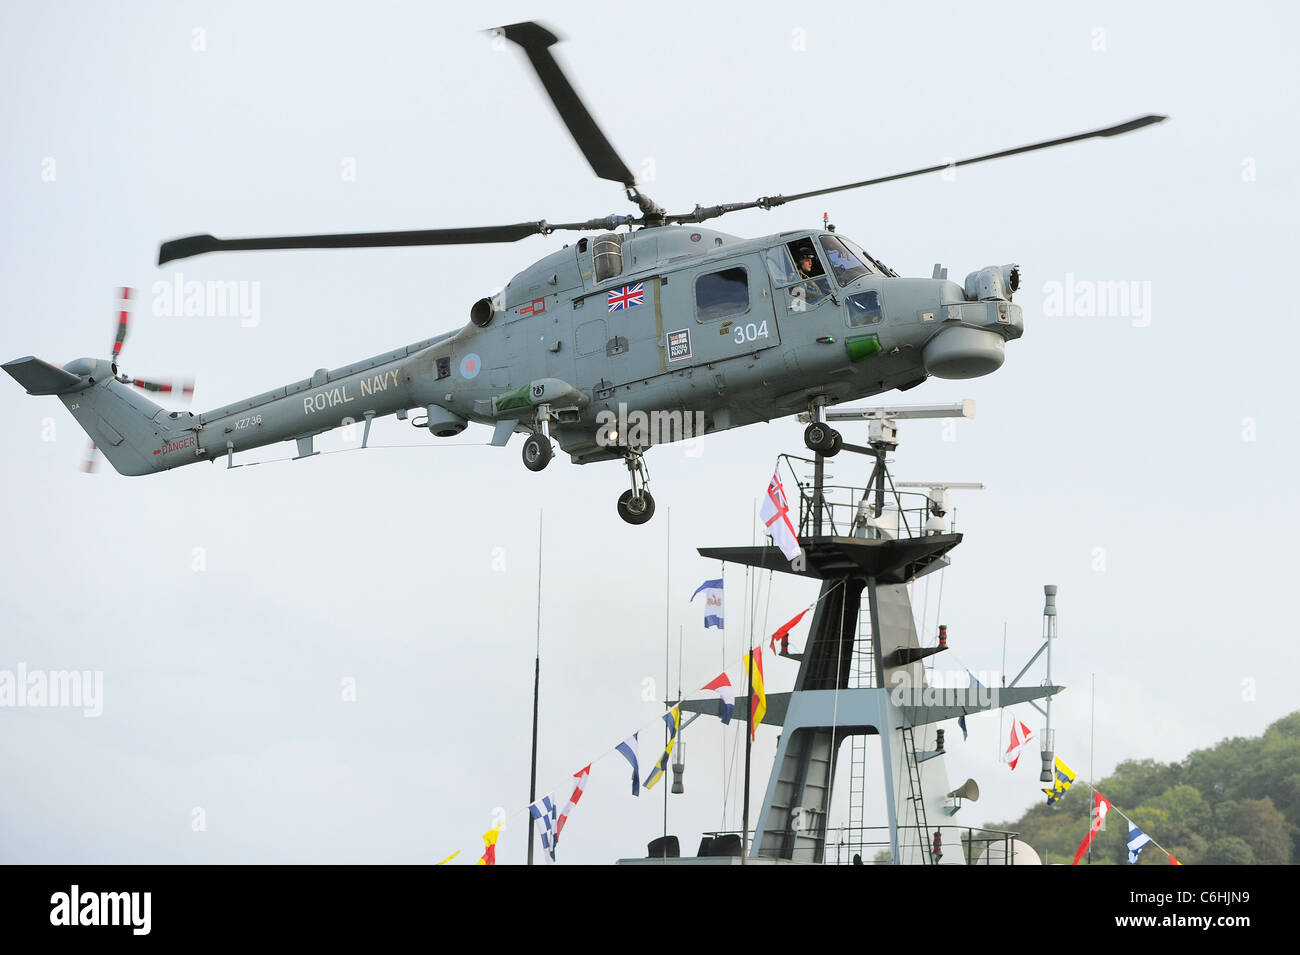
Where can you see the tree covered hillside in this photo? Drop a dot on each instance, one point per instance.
(1237, 803)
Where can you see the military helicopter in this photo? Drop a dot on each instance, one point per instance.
(617, 342)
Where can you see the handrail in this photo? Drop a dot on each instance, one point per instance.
(844, 507)
(844, 848)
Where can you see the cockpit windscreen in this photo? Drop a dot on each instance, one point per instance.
(845, 262)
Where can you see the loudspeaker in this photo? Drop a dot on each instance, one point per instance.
(665, 847)
(967, 790)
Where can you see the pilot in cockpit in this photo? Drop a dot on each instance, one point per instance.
(808, 288)
(806, 262)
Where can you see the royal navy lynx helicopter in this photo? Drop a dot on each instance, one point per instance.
(614, 343)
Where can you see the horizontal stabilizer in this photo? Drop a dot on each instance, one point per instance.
(40, 377)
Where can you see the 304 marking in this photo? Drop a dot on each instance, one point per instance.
(750, 332)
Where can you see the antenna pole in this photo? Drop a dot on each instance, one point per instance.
(879, 475)
(819, 499)
(1092, 746)
(680, 636)
(749, 745)
(1049, 636)
(722, 758)
(668, 565)
(537, 678)
(1003, 675)
(749, 699)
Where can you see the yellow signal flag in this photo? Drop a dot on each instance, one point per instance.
(490, 846)
(1064, 780)
(758, 696)
(673, 720)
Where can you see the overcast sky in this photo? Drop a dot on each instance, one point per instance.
(1144, 463)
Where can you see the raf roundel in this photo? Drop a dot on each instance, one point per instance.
(470, 365)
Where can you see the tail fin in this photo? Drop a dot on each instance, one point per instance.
(125, 425)
(122, 424)
(40, 377)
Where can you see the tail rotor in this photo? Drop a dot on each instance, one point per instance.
(182, 388)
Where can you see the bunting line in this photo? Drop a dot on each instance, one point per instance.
(667, 715)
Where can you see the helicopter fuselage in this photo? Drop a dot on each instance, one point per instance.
(676, 325)
(616, 343)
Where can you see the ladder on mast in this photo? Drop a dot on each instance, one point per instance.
(917, 797)
(862, 674)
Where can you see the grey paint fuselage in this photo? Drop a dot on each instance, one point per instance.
(553, 321)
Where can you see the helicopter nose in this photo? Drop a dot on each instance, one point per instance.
(972, 340)
(964, 352)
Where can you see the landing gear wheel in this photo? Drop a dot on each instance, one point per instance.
(636, 510)
(818, 437)
(537, 452)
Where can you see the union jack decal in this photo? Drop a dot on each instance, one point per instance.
(629, 296)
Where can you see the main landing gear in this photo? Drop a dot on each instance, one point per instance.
(819, 436)
(537, 448)
(636, 506)
(823, 439)
(537, 452)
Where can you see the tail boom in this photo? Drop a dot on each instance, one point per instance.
(140, 437)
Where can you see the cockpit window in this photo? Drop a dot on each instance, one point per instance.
(864, 256)
(780, 266)
(805, 258)
(845, 263)
(796, 268)
(864, 308)
(721, 293)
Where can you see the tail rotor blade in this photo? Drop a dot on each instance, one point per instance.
(182, 388)
(123, 319)
(145, 385)
(90, 463)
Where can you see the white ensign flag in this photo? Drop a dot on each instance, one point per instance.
(775, 514)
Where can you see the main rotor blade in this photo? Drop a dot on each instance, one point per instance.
(535, 40)
(199, 244)
(1120, 129)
